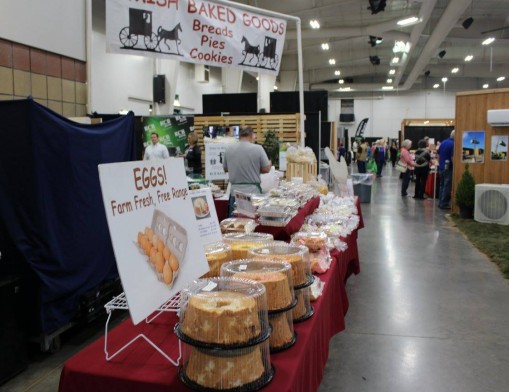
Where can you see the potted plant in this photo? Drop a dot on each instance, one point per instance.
(271, 146)
(465, 194)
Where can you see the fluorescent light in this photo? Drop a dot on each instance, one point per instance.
(455, 70)
(426, 122)
(257, 78)
(436, 85)
(485, 85)
(314, 24)
(344, 89)
(488, 41)
(444, 79)
(337, 72)
(500, 78)
(469, 57)
(389, 80)
(408, 21)
(325, 46)
(275, 87)
(332, 61)
(341, 81)
(395, 60)
(401, 47)
(392, 72)
(387, 88)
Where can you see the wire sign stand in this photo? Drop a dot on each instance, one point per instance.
(120, 303)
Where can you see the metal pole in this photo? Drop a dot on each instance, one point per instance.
(301, 82)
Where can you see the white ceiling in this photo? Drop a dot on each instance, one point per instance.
(347, 24)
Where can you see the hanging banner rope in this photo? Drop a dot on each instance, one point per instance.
(195, 31)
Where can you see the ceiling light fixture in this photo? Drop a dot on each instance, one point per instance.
(455, 70)
(332, 61)
(376, 6)
(469, 58)
(408, 21)
(467, 23)
(375, 60)
(488, 41)
(392, 72)
(395, 60)
(314, 24)
(389, 80)
(373, 41)
(345, 89)
(436, 85)
(275, 87)
(325, 46)
(341, 81)
(485, 85)
(427, 73)
(500, 78)
(401, 47)
(441, 54)
(337, 72)
(387, 88)
(444, 79)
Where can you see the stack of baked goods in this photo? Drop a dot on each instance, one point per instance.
(277, 277)
(298, 257)
(224, 329)
(242, 242)
(316, 242)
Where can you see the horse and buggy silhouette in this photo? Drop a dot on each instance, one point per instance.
(265, 57)
(140, 24)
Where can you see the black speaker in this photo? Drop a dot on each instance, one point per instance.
(159, 89)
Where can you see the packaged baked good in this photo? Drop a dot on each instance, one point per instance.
(314, 241)
(241, 243)
(238, 225)
(303, 310)
(276, 276)
(282, 336)
(217, 254)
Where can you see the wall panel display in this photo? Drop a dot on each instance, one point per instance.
(473, 146)
(196, 31)
(172, 131)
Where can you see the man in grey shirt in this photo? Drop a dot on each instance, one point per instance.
(244, 161)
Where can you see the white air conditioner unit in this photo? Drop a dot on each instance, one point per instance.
(492, 203)
(498, 118)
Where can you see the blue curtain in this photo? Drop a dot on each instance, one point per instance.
(51, 202)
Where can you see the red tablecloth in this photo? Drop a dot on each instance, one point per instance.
(141, 368)
(432, 177)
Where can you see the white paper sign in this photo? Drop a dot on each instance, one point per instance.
(196, 31)
(214, 156)
(206, 215)
(244, 204)
(153, 230)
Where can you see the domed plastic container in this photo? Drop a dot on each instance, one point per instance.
(283, 335)
(296, 255)
(217, 254)
(238, 225)
(276, 276)
(314, 241)
(242, 369)
(223, 313)
(241, 242)
(303, 310)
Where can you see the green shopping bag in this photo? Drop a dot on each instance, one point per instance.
(371, 166)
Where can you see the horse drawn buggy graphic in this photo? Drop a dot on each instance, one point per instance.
(265, 58)
(140, 24)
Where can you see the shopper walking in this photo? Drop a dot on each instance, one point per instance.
(421, 169)
(445, 154)
(407, 159)
(361, 155)
(394, 153)
(379, 156)
(244, 161)
(155, 150)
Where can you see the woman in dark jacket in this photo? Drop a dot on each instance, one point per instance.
(394, 153)
(193, 154)
(421, 170)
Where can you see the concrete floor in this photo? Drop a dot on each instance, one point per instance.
(427, 313)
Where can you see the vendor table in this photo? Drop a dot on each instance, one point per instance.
(141, 368)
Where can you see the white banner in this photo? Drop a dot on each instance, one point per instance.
(196, 31)
(214, 155)
(153, 230)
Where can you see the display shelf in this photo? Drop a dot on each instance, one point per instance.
(120, 303)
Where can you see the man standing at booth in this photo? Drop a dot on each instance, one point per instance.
(244, 161)
(445, 153)
(155, 150)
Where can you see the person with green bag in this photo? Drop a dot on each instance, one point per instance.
(371, 166)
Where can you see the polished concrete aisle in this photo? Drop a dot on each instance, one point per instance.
(428, 312)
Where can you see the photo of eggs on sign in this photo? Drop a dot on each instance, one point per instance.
(164, 244)
(201, 207)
